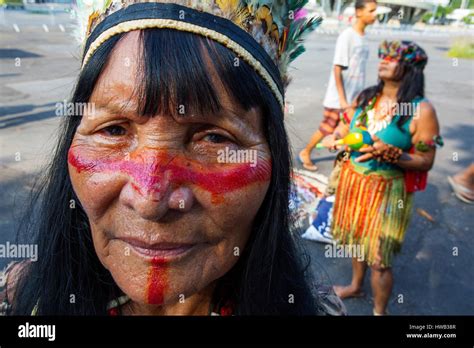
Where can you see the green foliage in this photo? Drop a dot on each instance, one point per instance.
(454, 4)
(11, 2)
(440, 13)
(469, 19)
(462, 48)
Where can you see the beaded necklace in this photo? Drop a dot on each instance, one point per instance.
(367, 118)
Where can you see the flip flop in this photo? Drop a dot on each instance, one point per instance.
(461, 192)
(380, 314)
(310, 167)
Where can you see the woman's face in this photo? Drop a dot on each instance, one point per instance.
(170, 200)
(388, 68)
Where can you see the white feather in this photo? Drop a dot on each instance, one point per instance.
(82, 10)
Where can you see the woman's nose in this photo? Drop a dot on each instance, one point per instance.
(152, 192)
(383, 63)
(181, 199)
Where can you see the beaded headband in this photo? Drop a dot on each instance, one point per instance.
(407, 51)
(267, 35)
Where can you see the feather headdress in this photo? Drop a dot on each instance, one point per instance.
(279, 26)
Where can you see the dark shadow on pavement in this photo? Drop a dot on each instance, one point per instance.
(29, 117)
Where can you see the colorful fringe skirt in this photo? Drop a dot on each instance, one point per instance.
(372, 210)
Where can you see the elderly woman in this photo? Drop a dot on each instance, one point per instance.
(375, 191)
(140, 212)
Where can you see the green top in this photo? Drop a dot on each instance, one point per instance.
(392, 134)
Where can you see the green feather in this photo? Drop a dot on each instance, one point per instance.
(296, 4)
(294, 46)
(299, 30)
(296, 52)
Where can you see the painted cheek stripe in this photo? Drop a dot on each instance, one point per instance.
(152, 173)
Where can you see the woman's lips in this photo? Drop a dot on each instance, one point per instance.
(162, 250)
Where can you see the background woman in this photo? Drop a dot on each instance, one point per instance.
(375, 191)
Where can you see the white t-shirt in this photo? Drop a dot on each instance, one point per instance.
(352, 52)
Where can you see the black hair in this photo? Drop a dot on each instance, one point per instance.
(360, 4)
(412, 86)
(272, 268)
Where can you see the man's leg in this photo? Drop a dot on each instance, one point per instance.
(305, 154)
(327, 126)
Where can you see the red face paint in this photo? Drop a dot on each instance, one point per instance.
(152, 172)
(157, 279)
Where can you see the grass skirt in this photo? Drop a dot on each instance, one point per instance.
(372, 210)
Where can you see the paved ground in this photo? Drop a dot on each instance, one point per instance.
(429, 279)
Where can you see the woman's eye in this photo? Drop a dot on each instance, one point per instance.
(114, 130)
(216, 138)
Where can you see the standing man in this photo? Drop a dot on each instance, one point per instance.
(347, 78)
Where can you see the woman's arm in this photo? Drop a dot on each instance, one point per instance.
(426, 128)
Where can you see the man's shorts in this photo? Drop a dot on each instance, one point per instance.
(330, 121)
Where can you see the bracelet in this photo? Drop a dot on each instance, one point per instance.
(435, 143)
(391, 154)
(344, 118)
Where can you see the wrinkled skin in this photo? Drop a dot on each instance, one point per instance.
(149, 180)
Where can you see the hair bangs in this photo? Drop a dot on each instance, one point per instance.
(189, 77)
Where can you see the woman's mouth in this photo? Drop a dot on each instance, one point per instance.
(163, 250)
